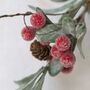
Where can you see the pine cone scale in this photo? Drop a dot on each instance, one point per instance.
(39, 51)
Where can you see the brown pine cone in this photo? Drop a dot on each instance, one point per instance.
(39, 51)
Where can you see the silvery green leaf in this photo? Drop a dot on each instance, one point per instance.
(80, 33)
(28, 84)
(39, 83)
(49, 33)
(48, 21)
(70, 6)
(55, 67)
(68, 25)
(32, 7)
(25, 80)
(59, 0)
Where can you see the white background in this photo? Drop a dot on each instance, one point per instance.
(16, 60)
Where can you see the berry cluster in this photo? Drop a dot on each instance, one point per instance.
(66, 33)
(62, 51)
(38, 20)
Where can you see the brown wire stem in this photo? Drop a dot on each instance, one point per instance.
(25, 22)
(17, 14)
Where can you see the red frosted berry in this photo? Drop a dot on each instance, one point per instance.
(67, 70)
(68, 59)
(62, 53)
(38, 20)
(44, 43)
(55, 52)
(28, 33)
(63, 43)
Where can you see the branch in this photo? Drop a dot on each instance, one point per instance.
(17, 14)
(27, 14)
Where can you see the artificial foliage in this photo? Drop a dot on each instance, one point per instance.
(53, 43)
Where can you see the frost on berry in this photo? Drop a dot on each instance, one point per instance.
(54, 51)
(63, 43)
(68, 59)
(28, 33)
(67, 70)
(38, 20)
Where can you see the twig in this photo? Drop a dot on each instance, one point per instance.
(81, 16)
(17, 14)
(27, 14)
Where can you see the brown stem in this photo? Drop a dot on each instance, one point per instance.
(27, 14)
(25, 22)
(17, 14)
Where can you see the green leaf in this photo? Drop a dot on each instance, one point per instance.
(25, 80)
(80, 33)
(39, 83)
(55, 67)
(70, 6)
(59, 0)
(26, 84)
(68, 25)
(49, 33)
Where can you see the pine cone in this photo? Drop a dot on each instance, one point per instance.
(39, 51)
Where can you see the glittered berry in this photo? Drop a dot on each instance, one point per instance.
(67, 70)
(55, 52)
(38, 20)
(28, 33)
(63, 43)
(68, 59)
